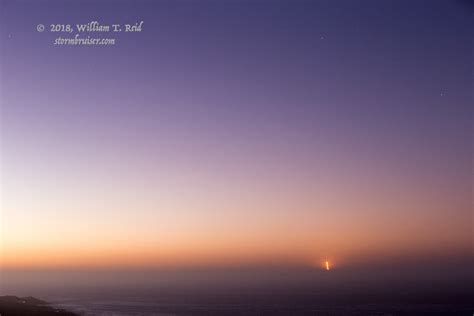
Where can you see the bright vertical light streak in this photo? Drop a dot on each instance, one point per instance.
(327, 265)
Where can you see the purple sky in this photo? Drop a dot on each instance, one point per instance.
(237, 131)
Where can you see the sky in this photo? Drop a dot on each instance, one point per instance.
(237, 133)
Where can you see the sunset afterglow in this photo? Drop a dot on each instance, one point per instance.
(236, 157)
(230, 138)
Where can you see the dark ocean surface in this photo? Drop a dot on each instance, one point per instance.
(265, 304)
(278, 292)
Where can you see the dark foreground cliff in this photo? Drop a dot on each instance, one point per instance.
(28, 306)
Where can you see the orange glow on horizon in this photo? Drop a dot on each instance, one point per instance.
(104, 255)
(327, 265)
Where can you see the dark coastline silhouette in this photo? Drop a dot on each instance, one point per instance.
(22, 306)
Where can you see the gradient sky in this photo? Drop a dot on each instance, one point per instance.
(237, 132)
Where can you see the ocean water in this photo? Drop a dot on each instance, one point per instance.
(155, 308)
(267, 303)
(252, 293)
